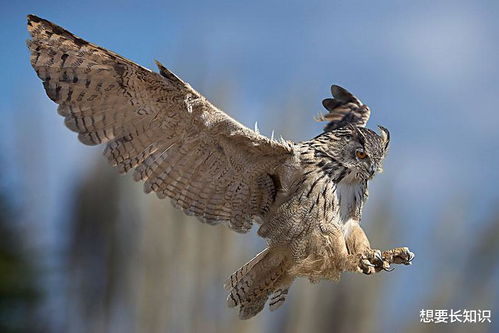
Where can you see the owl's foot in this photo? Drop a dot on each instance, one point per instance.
(400, 255)
(371, 261)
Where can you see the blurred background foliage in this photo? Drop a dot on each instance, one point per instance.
(19, 291)
(82, 249)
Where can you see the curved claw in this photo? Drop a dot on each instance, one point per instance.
(388, 269)
(378, 256)
(367, 263)
(411, 257)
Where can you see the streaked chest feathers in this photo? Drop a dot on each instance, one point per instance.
(334, 202)
(349, 199)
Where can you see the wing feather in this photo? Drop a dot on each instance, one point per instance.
(344, 109)
(179, 144)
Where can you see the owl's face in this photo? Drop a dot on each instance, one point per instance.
(362, 150)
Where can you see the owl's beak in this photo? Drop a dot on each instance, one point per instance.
(372, 171)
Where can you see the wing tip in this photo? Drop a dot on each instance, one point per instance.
(38, 20)
(341, 94)
(32, 21)
(40, 28)
(33, 18)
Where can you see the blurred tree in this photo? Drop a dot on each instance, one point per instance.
(19, 292)
(97, 267)
(470, 282)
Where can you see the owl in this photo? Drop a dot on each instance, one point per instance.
(306, 197)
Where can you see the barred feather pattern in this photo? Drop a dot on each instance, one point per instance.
(182, 147)
(344, 109)
(177, 142)
(251, 286)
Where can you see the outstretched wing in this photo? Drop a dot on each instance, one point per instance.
(181, 145)
(344, 109)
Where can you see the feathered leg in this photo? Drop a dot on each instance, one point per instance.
(372, 260)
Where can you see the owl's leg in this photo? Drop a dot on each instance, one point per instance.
(353, 254)
(355, 238)
(371, 260)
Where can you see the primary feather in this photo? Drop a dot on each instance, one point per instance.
(180, 144)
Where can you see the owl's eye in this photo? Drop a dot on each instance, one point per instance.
(360, 154)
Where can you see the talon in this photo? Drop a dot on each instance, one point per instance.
(367, 263)
(411, 257)
(378, 256)
(388, 269)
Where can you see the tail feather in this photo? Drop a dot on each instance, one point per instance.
(241, 272)
(251, 285)
(278, 298)
(247, 311)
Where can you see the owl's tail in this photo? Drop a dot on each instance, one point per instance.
(251, 285)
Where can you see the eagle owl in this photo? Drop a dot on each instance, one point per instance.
(306, 197)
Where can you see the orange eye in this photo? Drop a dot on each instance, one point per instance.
(360, 154)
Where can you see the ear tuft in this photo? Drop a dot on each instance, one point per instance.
(385, 136)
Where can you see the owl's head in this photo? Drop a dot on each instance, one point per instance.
(361, 150)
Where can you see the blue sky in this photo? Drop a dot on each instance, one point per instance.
(429, 70)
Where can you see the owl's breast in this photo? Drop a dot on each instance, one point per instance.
(314, 202)
(331, 202)
(349, 197)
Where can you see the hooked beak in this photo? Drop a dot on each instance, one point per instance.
(368, 173)
(372, 171)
